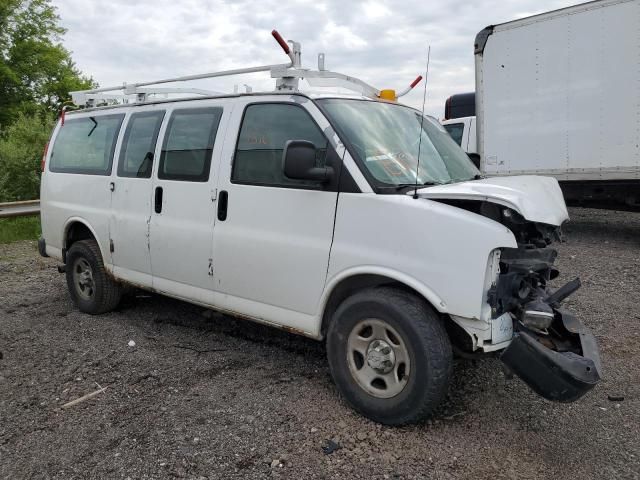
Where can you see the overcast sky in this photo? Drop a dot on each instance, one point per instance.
(383, 43)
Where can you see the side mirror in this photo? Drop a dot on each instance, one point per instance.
(299, 162)
(475, 159)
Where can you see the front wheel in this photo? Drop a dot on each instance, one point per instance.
(90, 287)
(389, 355)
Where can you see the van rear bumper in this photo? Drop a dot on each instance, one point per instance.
(562, 376)
(42, 247)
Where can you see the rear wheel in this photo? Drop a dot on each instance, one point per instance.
(90, 287)
(389, 355)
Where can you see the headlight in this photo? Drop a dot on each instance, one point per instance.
(537, 315)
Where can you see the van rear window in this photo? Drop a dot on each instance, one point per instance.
(86, 145)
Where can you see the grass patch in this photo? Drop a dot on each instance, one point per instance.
(19, 228)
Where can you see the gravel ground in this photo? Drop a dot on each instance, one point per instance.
(206, 396)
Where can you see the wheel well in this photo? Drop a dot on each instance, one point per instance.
(350, 285)
(75, 232)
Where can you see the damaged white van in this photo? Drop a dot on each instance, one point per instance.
(348, 218)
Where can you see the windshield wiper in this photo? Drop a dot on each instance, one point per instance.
(400, 186)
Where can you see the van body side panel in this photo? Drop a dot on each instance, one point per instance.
(74, 197)
(424, 241)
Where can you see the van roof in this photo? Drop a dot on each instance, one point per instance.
(309, 95)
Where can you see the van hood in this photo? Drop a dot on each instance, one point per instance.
(538, 199)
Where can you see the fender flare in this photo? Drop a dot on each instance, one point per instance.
(427, 293)
(67, 224)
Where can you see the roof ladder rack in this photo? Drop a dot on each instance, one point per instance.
(287, 77)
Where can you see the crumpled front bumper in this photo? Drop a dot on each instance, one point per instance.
(564, 374)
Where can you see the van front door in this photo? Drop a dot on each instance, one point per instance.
(183, 212)
(273, 235)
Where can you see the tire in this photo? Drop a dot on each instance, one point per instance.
(376, 384)
(94, 292)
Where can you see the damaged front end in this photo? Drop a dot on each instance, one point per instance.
(548, 347)
(551, 350)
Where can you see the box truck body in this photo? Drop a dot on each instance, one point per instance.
(558, 94)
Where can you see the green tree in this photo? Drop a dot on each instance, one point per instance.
(21, 151)
(36, 76)
(36, 71)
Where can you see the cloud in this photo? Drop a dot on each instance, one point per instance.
(382, 42)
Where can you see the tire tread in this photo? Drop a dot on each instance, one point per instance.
(110, 290)
(431, 334)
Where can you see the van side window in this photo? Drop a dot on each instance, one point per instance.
(266, 128)
(139, 144)
(86, 145)
(188, 144)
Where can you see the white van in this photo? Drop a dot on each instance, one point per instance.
(301, 211)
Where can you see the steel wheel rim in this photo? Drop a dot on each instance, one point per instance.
(378, 358)
(83, 279)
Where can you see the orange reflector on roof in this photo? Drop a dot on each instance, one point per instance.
(388, 94)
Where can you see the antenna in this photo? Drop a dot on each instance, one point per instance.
(424, 99)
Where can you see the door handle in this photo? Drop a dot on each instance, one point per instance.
(223, 202)
(112, 186)
(158, 200)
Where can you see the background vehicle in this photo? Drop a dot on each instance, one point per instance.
(308, 212)
(463, 131)
(556, 95)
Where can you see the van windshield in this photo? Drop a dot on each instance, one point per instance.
(386, 138)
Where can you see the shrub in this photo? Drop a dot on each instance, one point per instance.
(21, 148)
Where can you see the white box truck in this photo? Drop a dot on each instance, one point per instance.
(559, 94)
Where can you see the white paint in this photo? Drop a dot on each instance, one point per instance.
(557, 94)
(538, 199)
(129, 218)
(281, 251)
(181, 235)
(274, 246)
(422, 243)
(502, 328)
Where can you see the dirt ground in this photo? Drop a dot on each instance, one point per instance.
(207, 396)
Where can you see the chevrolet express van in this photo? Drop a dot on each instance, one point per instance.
(347, 219)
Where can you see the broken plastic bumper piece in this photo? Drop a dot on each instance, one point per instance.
(560, 364)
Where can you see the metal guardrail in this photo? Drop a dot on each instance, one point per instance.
(19, 209)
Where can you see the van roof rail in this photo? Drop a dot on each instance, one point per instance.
(287, 77)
